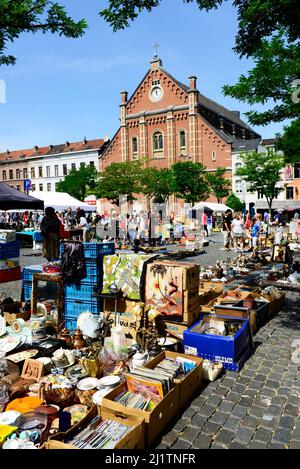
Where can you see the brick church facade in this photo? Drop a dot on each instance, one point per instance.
(165, 121)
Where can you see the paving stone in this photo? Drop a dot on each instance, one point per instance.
(181, 424)
(189, 413)
(268, 392)
(224, 436)
(214, 400)
(222, 390)
(281, 436)
(270, 423)
(233, 397)
(239, 388)
(263, 434)
(237, 445)
(257, 445)
(232, 423)
(243, 435)
(250, 422)
(226, 407)
(181, 444)
(198, 402)
(198, 421)
(203, 442)
(190, 434)
(275, 445)
(244, 380)
(206, 392)
(260, 377)
(294, 444)
(245, 402)
(216, 445)
(275, 410)
(219, 417)
(239, 411)
(207, 410)
(287, 422)
(252, 393)
(257, 385)
(280, 400)
(283, 391)
(228, 381)
(162, 446)
(211, 428)
(256, 411)
(170, 438)
(296, 434)
(290, 409)
(294, 400)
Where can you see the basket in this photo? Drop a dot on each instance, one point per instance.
(60, 396)
(9, 250)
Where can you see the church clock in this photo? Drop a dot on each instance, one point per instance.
(156, 94)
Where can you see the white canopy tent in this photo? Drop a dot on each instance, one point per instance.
(62, 201)
(211, 206)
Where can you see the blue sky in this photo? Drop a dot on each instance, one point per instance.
(66, 89)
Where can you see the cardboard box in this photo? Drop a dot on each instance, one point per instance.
(7, 236)
(176, 328)
(156, 421)
(226, 349)
(12, 312)
(188, 274)
(135, 439)
(188, 384)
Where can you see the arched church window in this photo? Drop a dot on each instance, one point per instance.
(158, 141)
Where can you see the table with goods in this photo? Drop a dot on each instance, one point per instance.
(102, 334)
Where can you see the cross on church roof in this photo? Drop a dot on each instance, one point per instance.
(155, 47)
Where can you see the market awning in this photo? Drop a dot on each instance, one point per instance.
(211, 206)
(11, 198)
(62, 201)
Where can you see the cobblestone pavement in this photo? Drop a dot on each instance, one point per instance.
(255, 408)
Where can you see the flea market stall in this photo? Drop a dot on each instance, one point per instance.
(129, 334)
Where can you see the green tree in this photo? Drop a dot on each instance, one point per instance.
(218, 185)
(289, 142)
(234, 203)
(32, 16)
(79, 182)
(189, 182)
(120, 179)
(157, 184)
(262, 173)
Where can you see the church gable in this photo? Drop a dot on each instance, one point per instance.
(158, 90)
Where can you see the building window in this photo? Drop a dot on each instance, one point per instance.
(11, 174)
(82, 164)
(92, 163)
(4, 175)
(297, 170)
(56, 170)
(25, 173)
(238, 165)
(158, 141)
(73, 166)
(260, 195)
(40, 171)
(134, 147)
(18, 174)
(65, 169)
(182, 139)
(213, 156)
(238, 186)
(41, 187)
(32, 187)
(49, 187)
(289, 193)
(155, 82)
(48, 171)
(32, 170)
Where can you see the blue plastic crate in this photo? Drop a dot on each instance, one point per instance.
(94, 250)
(29, 271)
(26, 291)
(94, 272)
(10, 250)
(70, 324)
(73, 308)
(81, 291)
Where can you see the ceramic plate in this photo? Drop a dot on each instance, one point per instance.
(87, 384)
(8, 343)
(19, 357)
(97, 397)
(9, 417)
(109, 381)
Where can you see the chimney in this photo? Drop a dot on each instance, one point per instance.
(7, 152)
(124, 96)
(67, 144)
(84, 141)
(50, 147)
(156, 63)
(193, 83)
(36, 148)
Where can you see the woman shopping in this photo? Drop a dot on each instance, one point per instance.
(50, 230)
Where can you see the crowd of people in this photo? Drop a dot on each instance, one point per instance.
(241, 229)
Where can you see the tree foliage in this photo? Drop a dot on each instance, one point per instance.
(120, 179)
(234, 203)
(32, 16)
(189, 182)
(157, 184)
(218, 185)
(79, 182)
(289, 142)
(261, 171)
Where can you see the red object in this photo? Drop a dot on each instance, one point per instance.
(10, 275)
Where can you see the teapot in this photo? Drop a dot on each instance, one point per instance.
(65, 334)
(78, 341)
(89, 325)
